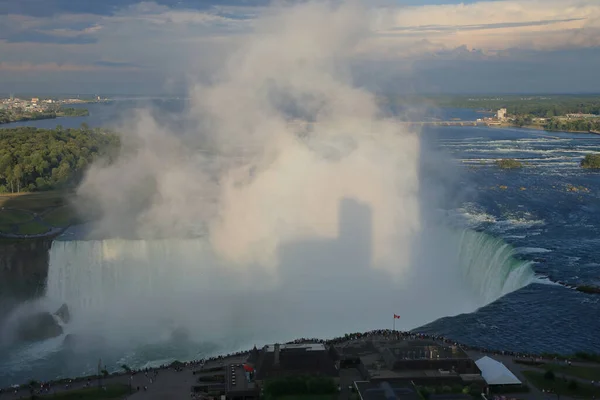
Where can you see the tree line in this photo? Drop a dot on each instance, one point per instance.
(7, 116)
(536, 106)
(34, 159)
(574, 125)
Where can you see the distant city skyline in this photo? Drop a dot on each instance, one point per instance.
(126, 47)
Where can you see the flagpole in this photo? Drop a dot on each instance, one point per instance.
(394, 323)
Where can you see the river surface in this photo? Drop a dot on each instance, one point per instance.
(544, 217)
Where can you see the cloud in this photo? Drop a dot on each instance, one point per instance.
(116, 64)
(295, 218)
(40, 37)
(178, 38)
(491, 25)
(56, 67)
(46, 8)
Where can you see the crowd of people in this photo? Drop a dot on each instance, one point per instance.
(389, 334)
(408, 335)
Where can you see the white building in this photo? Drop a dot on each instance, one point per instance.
(501, 114)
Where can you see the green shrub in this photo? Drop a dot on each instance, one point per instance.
(588, 356)
(591, 161)
(549, 375)
(572, 385)
(509, 163)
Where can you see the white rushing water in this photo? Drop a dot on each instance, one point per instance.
(127, 288)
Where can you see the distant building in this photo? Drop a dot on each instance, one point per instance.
(35, 100)
(501, 114)
(580, 115)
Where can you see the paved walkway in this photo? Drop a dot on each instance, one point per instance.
(168, 384)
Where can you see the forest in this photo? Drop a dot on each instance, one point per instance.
(541, 106)
(34, 159)
(575, 125)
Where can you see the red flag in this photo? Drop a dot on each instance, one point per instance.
(396, 316)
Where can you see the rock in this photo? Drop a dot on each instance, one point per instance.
(63, 313)
(38, 326)
(588, 289)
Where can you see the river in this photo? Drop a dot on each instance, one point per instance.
(544, 218)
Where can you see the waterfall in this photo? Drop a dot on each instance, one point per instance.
(489, 265)
(138, 285)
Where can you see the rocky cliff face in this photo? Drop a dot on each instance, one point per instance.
(23, 271)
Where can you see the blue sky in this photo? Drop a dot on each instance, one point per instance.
(114, 46)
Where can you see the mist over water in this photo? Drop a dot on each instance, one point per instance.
(291, 200)
(290, 207)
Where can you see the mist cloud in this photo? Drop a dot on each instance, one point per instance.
(284, 192)
(260, 179)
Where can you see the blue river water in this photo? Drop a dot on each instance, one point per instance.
(549, 211)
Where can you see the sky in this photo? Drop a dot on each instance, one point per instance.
(412, 46)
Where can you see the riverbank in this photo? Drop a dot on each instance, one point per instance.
(178, 377)
(505, 125)
(10, 117)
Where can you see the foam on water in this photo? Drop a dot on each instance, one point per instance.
(490, 264)
(531, 250)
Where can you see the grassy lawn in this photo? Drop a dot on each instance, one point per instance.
(32, 228)
(589, 373)
(112, 392)
(559, 386)
(34, 202)
(8, 217)
(60, 217)
(18, 216)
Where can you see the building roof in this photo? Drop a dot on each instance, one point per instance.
(296, 346)
(238, 380)
(496, 373)
(386, 391)
(422, 350)
(296, 359)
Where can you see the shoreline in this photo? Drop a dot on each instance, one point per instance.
(42, 118)
(381, 334)
(539, 128)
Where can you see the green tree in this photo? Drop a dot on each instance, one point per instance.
(42, 159)
(591, 161)
(17, 175)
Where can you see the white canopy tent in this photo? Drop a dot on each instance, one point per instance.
(496, 373)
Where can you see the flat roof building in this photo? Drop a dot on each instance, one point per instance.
(424, 362)
(295, 359)
(386, 391)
